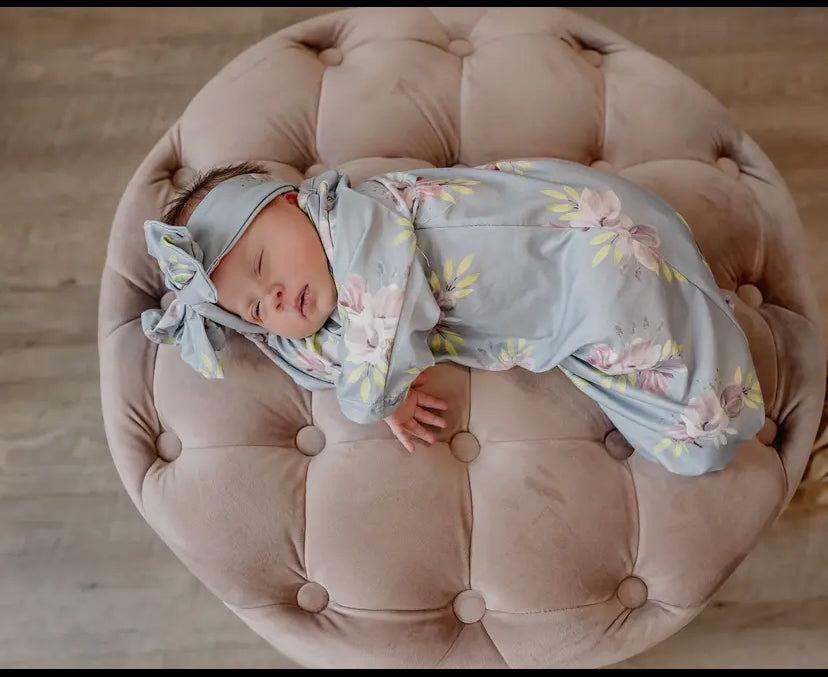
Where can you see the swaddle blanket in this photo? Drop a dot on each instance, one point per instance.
(532, 264)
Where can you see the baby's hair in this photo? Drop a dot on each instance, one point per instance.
(183, 204)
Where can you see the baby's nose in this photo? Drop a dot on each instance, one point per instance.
(278, 297)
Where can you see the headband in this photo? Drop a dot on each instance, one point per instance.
(188, 254)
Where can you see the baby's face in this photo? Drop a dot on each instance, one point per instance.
(277, 274)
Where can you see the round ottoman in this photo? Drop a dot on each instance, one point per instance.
(528, 535)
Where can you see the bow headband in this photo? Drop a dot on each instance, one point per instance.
(188, 254)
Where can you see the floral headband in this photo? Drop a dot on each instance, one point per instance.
(188, 254)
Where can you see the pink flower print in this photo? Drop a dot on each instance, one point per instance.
(732, 400)
(654, 381)
(446, 301)
(640, 241)
(639, 355)
(369, 330)
(351, 293)
(599, 210)
(424, 188)
(603, 356)
(642, 357)
(311, 361)
(703, 421)
(408, 191)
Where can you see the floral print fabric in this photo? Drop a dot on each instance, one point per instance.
(537, 264)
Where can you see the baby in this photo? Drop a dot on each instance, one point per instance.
(537, 264)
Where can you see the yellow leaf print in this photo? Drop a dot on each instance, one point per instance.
(462, 293)
(450, 349)
(560, 208)
(312, 343)
(600, 255)
(454, 338)
(465, 264)
(517, 166)
(661, 446)
(572, 192)
(406, 234)
(356, 374)
(448, 267)
(668, 276)
(463, 190)
(435, 343)
(737, 377)
(379, 379)
(558, 195)
(577, 380)
(434, 281)
(603, 237)
(568, 217)
(679, 276)
(447, 197)
(365, 389)
(402, 237)
(466, 281)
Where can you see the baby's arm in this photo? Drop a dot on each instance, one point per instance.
(408, 419)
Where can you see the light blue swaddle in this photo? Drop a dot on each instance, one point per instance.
(536, 264)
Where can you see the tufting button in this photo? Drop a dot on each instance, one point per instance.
(168, 446)
(632, 592)
(315, 170)
(728, 166)
(331, 57)
(767, 434)
(465, 446)
(469, 606)
(617, 445)
(603, 165)
(460, 47)
(750, 294)
(167, 299)
(310, 440)
(183, 177)
(312, 597)
(592, 57)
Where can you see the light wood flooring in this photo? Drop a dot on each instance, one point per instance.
(84, 94)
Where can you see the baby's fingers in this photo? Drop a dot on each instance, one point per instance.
(430, 401)
(418, 431)
(401, 435)
(426, 416)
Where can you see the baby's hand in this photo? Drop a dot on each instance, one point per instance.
(407, 420)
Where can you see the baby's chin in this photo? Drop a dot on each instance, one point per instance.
(308, 329)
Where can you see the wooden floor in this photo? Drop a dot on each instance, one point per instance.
(84, 94)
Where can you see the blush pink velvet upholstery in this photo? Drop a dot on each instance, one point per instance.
(527, 536)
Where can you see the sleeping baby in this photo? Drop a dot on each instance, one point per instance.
(535, 264)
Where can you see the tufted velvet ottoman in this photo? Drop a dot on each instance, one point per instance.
(528, 536)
